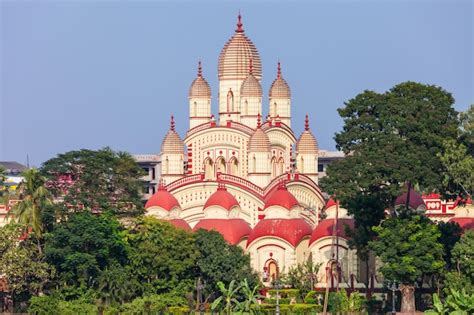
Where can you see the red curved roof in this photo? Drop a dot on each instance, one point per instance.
(331, 202)
(325, 229)
(464, 223)
(291, 230)
(233, 230)
(162, 198)
(415, 200)
(281, 197)
(180, 224)
(222, 198)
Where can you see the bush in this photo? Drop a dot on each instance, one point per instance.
(285, 293)
(272, 301)
(178, 310)
(313, 297)
(43, 305)
(76, 307)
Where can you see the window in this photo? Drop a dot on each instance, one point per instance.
(153, 175)
(320, 167)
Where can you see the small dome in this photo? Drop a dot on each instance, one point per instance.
(416, 201)
(163, 199)
(259, 141)
(307, 143)
(172, 142)
(251, 87)
(235, 57)
(233, 230)
(281, 197)
(325, 229)
(200, 88)
(222, 198)
(291, 230)
(464, 223)
(279, 87)
(180, 224)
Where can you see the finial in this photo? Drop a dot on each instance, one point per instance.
(251, 66)
(306, 123)
(279, 70)
(172, 123)
(239, 24)
(259, 120)
(199, 69)
(161, 185)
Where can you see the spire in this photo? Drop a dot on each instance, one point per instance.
(279, 70)
(239, 24)
(251, 66)
(306, 123)
(172, 123)
(259, 121)
(199, 69)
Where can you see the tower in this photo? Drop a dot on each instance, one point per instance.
(172, 155)
(280, 99)
(234, 62)
(259, 167)
(250, 99)
(199, 100)
(307, 153)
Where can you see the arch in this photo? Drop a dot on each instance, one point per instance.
(246, 107)
(274, 167)
(220, 165)
(234, 166)
(230, 101)
(208, 168)
(167, 166)
(194, 109)
(280, 166)
(254, 164)
(301, 166)
(272, 269)
(275, 109)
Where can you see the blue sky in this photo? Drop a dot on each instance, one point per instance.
(88, 74)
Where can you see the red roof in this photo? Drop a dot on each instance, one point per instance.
(221, 198)
(233, 230)
(415, 200)
(162, 198)
(291, 230)
(180, 224)
(331, 203)
(281, 197)
(464, 223)
(325, 229)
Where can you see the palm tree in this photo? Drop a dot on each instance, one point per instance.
(251, 296)
(228, 297)
(34, 198)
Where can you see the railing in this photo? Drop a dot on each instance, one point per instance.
(196, 178)
(240, 181)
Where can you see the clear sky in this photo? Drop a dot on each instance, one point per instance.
(89, 74)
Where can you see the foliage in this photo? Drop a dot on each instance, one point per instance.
(43, 305)
(83, 246)
(408, 248)
(219, 261)
(467, 129)
(303, 276)
(463, 257)
(285, 293)
(250, 296)
(101, 180)
(115, 285)
(162, 258)
(456, 303)
(227, 301)
(21, 262)
(313, 297)
(450, 235)
(350, 303)
(34, 198)
(152, 304)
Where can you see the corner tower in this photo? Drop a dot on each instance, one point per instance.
(199, 100)
(280, 99)
(233, 69)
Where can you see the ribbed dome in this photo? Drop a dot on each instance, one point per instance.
(234, 59)
(233, 230)
(291, 230)
(259, 141)
(279, 87)
(172, 142)
(307, 142)
(163, 199)
(222, 198)
(251, 87)
(200, 88)
(325, 228)
(282, 198)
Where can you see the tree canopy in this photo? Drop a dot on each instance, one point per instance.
(102, 180)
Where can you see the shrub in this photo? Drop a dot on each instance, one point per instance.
(313, 297)
(43, 305)
(76, 307)
(178, 310)
(285, 293)
(272, 301)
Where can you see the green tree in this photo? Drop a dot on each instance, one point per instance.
(467, 128)
(303, 276)
(101, 180)
(34, 199)
(450, 235)
(83, 246)
(251, 296)
(219, 261)
(162, 258)
(409, 249)
(463, 257)
(22, 264)
(115, 284)
(228, 298)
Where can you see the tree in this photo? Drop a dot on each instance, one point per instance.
(250, 296)
(162, 258)
(115, 284)
(22, 264)
(227, 298)
(303, 276)
(34, 199)
(83, 246)
(101, 180)
(463, 256)
(219, 261)
(450, 233)
(467, 129)
(409, 249)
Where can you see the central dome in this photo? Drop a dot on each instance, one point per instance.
(234, 60)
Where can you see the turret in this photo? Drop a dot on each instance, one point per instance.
(307, 153)
(172, 155)
(199, 100)
(280, 99)
(259, 166)
(250, 99)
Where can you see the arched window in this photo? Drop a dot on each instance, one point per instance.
(275, 112)
(301, 166)
(220, 165)
(194, 112)
(280, 166)
(246, 108)
(274, 167)
(230, 101)
(208, 169)
(254, 164)
(167, 165)
(234, 166)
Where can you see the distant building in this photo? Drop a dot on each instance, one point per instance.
(325, 158)
(150, 163)
(13, 172)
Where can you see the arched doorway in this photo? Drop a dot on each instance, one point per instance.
(273, 270)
